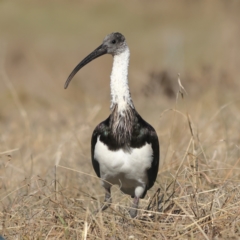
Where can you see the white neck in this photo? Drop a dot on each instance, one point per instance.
(120, 93)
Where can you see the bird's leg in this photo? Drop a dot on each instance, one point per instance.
(107, 200)
(134, 208)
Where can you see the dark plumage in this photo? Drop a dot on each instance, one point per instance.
(142, 133)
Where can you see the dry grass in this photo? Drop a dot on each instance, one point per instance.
(48, 189)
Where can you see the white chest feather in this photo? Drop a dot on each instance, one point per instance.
(127, 169)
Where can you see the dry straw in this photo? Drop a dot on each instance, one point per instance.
(192, 198)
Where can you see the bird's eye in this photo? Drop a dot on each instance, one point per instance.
(113, 41)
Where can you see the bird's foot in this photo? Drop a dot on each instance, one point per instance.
(107, 201)
(133, 212)
(134, 209)
(106, 204)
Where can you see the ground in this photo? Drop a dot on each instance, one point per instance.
(184, 79)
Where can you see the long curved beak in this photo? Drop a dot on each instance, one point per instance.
(101, 50)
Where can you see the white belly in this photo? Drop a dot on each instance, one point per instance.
(127, 169)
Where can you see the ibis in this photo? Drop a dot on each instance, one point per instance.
(124, 147)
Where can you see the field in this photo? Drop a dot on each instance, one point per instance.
(184, 78)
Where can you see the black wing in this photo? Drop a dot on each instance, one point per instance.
(100, 130)
(153, 170)
(145, 133)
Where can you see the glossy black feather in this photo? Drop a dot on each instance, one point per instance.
(142, 133)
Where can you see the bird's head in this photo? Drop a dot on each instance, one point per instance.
(113, 44)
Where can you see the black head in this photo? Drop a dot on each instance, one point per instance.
(113, 44)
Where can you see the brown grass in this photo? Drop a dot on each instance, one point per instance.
(48, 189)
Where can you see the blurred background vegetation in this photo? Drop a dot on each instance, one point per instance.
(42, 41)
